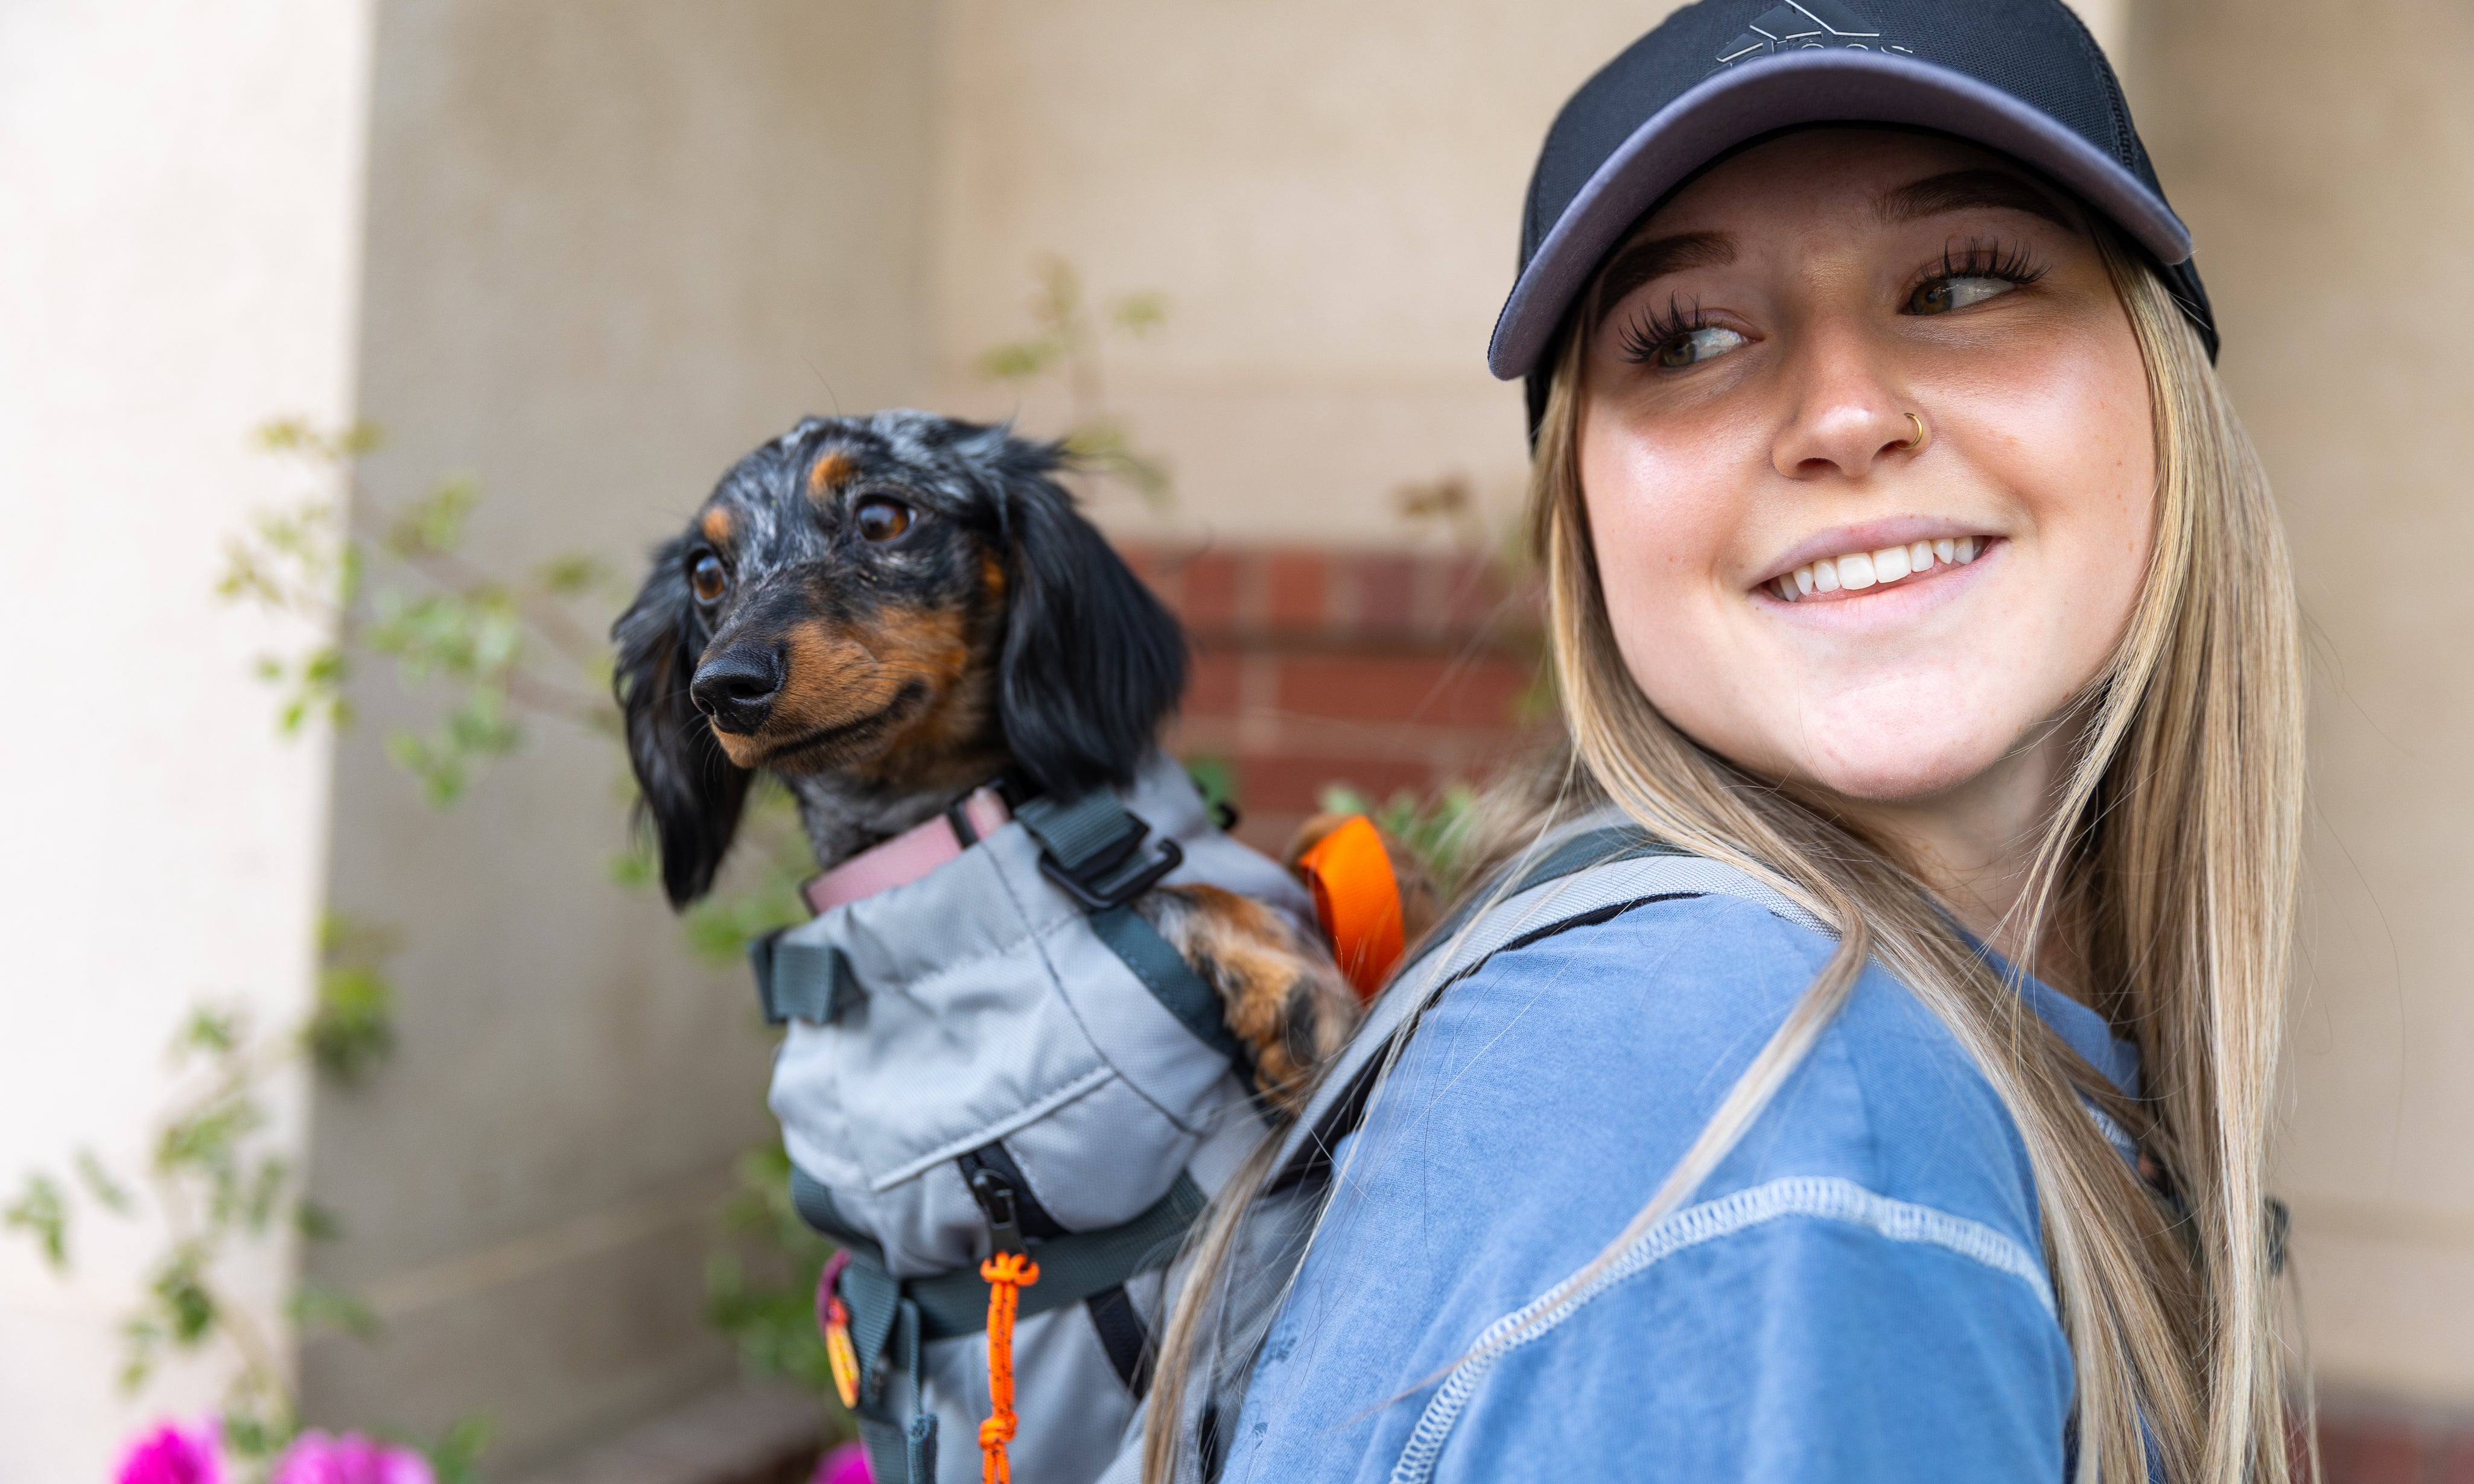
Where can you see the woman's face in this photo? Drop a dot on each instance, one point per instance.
(1755, 352)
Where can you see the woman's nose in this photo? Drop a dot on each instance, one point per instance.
(1848, 412)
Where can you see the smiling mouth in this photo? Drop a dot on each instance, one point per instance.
(1859, 571)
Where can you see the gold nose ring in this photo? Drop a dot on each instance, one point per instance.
(1917, 442)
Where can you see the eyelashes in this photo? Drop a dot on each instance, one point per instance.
(1650, 331)
(1983, 259)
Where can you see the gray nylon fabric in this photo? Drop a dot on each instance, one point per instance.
(976, 1004)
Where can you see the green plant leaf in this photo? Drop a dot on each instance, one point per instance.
(455, 1455)
(265, 1187)
(1439, 830)
(433, 525)
(214, 1030)
(40, 1211)
(770, 1318)
(1140, 314)
(314, 1307)
(317, 1223)
(353, 1029)
(1215, 779)
(99, 1182)
(572, 574)
(185, 1305)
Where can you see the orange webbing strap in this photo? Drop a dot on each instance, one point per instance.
(1007, 1274)
(1358, 899)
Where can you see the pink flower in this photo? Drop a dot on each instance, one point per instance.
(168, 1455)
(316, 1458)
(844, 1465)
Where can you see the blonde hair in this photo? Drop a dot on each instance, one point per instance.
(2169, 865)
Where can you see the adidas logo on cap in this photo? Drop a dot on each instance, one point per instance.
(1806, 25)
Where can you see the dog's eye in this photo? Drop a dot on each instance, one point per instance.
(709, 578)
(881, 520)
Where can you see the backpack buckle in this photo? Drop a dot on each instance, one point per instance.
(1098, 892)
(1092, 847)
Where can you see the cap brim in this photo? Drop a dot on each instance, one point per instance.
(1839, 85)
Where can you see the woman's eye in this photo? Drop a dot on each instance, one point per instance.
(881, 520)
(1694, 346)
(709, 578)
(1941, 296)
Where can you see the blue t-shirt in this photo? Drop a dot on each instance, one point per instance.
(1858, 1293)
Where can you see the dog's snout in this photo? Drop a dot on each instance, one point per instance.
(736, 687)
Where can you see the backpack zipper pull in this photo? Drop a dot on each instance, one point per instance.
(995, 1195)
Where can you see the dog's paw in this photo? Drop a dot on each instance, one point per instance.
(1280, 993)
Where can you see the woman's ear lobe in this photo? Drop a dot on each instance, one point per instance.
(691, 791)
(1092, 664)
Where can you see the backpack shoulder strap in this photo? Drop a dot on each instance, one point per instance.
(1588, 873)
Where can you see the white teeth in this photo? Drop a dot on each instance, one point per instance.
(1861, 569)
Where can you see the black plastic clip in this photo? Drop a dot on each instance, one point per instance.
(1114, 892)
(1093, 848)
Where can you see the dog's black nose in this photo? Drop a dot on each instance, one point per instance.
(738, 687)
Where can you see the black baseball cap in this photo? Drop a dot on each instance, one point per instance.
(2022, 77)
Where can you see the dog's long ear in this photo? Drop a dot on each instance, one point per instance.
(1092, 662)
(692, 792)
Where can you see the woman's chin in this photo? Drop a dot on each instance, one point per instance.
(1900, 775)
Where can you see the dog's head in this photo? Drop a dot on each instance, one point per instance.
(902, 599)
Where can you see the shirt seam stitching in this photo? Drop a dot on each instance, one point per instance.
(1822, 1197)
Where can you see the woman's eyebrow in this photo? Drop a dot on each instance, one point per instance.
(1959, 190)
(1643, 261)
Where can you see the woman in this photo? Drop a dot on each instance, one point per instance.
(1905, 554)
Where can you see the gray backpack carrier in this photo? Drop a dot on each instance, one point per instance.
(1583, 873)
(1002, 1055)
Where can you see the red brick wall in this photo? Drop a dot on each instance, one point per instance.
(2363, 1442)
(1383, 670)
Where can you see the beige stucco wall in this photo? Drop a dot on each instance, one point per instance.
(2324, 155)
(612, 247)
(180, 192)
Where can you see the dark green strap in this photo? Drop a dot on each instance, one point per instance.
(874, 1298)
(919, 1451)
(922, 1452)
(1170, 979)
(816, 1206)
(804, 981)
(1591, 847)
(887, 1455)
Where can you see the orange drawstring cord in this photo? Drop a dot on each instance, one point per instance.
(1007, 1274)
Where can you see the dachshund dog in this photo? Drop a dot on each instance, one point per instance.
(889, 612)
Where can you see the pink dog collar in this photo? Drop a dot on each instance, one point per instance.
(911, 855)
